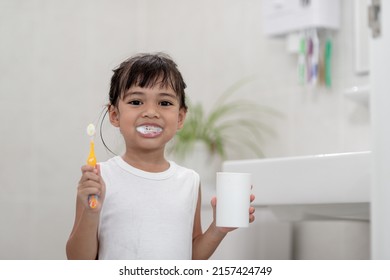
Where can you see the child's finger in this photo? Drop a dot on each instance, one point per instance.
(89, 176)
(213, 201)
(97, 168)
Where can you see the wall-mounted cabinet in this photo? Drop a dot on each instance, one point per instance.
(286, 16)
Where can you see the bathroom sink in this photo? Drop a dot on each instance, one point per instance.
(311, 187)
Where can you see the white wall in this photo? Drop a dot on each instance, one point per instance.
(56, 59)
(380, 191)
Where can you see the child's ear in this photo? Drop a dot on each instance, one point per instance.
(113, 113)
(182, 117)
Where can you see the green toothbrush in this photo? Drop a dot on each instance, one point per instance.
(328, 56)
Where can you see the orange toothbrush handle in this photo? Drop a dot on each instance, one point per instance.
(91, 161)
(92, 201)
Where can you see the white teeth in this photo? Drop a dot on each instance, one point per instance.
(146, 129)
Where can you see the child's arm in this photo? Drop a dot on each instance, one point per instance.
(204, 244)
(83, 240)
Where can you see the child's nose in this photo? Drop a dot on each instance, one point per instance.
(151, 111)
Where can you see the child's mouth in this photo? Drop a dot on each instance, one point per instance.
(149, 130)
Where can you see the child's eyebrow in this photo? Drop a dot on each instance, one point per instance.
(140, 93)
(167, 94)
(130, 93)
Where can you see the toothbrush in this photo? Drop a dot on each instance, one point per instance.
(309, 58)
(328, 56)
(301, 60)
(91, 161)
(315, 59)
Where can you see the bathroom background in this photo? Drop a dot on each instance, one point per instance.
(56, 60)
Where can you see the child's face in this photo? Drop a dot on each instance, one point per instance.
(148, 117)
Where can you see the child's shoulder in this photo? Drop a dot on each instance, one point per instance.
(185, 170)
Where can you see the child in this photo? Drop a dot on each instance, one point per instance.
(148, 207)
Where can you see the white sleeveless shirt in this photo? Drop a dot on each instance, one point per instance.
(147, 215)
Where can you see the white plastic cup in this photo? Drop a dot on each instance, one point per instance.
(233, 199)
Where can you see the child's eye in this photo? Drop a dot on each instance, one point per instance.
(166, 103)
(134, 102)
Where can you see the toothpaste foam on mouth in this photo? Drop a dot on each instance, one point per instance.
(148, 129)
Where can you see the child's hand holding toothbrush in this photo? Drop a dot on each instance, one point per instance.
(91, 183)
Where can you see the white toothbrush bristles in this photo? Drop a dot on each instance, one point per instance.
(91, 129)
